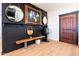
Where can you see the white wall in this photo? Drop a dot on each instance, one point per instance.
(53, 18)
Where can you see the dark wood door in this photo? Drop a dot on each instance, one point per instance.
(68, 26)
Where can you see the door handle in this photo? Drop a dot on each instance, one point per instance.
(74, 29)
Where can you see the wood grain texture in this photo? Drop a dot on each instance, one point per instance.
(29, 39)
(69, 28)
(51, 48)
(26, 14)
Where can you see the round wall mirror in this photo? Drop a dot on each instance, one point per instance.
(44, 20)
(14, 13)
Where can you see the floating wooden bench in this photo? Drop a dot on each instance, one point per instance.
(29, 39)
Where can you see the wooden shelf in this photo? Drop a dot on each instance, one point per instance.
(29, 39)
(26, 17)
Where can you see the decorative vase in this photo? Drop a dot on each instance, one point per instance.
(30, 31)
(37, 41)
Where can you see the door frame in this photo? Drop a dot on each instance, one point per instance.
(75, 12)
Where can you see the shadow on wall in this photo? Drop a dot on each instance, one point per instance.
(50, 33)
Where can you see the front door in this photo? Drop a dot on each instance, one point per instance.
(68, 28)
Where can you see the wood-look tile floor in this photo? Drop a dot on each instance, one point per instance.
(52, 48)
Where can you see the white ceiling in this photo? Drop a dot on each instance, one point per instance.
(52, 6)
(44, 6)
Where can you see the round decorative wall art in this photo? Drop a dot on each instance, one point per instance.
(45, 20)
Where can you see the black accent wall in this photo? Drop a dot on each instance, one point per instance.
(11, 31)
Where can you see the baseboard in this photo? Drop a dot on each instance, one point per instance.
(53, 40)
